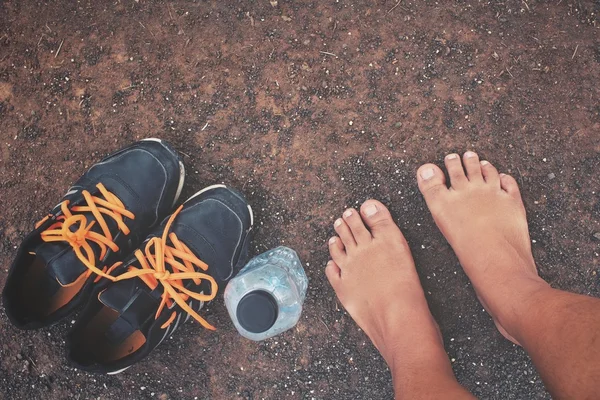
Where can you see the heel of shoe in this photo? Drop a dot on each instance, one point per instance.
(167, 146)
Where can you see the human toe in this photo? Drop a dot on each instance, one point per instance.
(344, 232)
(490, 173)
(509, 185)
(357, 226)
(336, 249)
(432, 181)
(333, 273)
(472, 166)
(378, 218)
(456, 171)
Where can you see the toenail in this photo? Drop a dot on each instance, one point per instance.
(502, 175)
(427, 173)
(484, 162)
(337, 222)
(451, 156)
(370, 210)
(470, 154)
(347, 213)
(332, 240)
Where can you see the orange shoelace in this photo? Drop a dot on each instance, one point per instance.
(81, 238)
(152, 271)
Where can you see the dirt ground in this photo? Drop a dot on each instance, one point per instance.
(308, 107)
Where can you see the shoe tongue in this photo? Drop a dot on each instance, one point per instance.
(119, 294)
(135, 304)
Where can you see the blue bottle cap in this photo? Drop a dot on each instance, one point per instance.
(257, 311)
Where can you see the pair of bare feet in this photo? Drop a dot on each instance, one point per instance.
(373, 274)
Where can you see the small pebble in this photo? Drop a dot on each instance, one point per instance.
(597, 235)
(551, 175)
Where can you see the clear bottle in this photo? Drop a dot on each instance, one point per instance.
(266, 296)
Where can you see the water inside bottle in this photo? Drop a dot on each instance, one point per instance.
(278, 273)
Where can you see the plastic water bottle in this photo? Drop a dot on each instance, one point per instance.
(266, 296)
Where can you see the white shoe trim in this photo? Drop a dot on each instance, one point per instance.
(118, 371)
(205, 190)
(181, 169)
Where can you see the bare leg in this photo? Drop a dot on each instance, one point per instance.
(374, 277)
(483, 218)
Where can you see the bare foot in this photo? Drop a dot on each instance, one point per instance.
(374, 277)
(483, 218)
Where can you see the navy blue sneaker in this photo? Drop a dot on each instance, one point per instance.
(103, 217)
(179, 267)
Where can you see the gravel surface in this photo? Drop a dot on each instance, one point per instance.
(307, 107)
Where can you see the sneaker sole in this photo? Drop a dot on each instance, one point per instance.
(181, 166)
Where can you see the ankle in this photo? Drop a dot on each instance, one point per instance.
(521, 297)
(425, 378)
(436, 387)
(422, 348)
